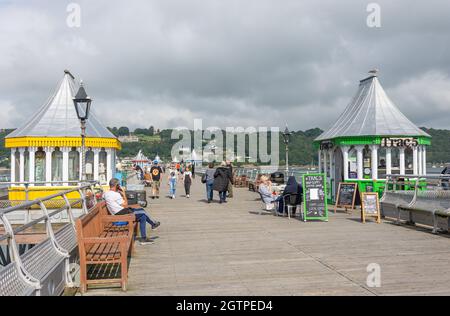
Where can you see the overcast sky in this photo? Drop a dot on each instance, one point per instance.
(229, 62)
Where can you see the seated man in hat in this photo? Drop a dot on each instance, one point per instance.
(117, 203)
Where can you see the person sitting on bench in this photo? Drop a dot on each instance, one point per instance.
(117, 204)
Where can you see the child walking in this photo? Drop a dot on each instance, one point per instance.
(172, 184)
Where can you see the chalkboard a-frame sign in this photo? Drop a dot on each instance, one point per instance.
(370, 206)
(314, 197)
(346, 195)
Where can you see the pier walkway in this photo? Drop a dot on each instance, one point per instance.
(229, 249)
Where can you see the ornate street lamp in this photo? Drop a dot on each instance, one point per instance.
(82, 106)
(286, 138)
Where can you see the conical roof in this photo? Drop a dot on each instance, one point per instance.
(58, 118)
(371, 113)
(140, 157)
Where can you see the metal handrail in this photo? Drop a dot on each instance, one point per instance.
(49, 182)
(37, 201)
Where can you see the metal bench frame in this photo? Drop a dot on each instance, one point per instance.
(28, 274)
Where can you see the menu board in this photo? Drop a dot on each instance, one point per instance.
(314, 197)
(346, 195)
(370, 206)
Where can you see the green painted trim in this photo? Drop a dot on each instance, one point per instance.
(367, 140)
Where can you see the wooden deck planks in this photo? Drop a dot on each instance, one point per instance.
(213, 249)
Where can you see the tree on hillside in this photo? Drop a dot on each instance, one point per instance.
(123, 131)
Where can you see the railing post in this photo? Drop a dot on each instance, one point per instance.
(83, 201)
(61, 251)
(69, 210)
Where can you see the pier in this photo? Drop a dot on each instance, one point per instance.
(230, 249)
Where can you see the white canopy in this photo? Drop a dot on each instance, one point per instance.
(372, 113)
(58, 118)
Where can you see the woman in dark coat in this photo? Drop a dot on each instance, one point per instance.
(292, 187)
(222, 177)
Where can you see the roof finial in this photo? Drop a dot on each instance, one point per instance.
(81, 83)
(374, 72)
(68, 73)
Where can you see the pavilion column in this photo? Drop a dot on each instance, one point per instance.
(388, 160)
(22, 165)
(31, 161)
(424, 160)
(415, 165)
(401, 152)
(374, 161)
(320, 160)
(331, 156)
(109, 168)
(345, 150)
(419, 160)
(65, 165)
(325, 163)
(13, 165)
(359, 161)
(48, 165)
(96, 162)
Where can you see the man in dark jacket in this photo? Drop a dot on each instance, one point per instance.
(292, 187)
(445, 182)
(222, 178)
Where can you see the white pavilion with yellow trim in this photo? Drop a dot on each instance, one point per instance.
(46, 150)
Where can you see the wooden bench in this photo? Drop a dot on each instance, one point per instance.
(101, 241)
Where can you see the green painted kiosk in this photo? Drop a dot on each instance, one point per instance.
(371, 139)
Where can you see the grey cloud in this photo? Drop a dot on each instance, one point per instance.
(232, 63)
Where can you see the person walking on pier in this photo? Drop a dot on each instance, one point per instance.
(230, 185)
(155, 172)
(187, 179)
(222, 178)
(209, 181)
(445, 182)
(172, 184)
(117, 204)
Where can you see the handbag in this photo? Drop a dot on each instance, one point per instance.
(204, 178)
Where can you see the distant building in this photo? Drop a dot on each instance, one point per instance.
(129, 139)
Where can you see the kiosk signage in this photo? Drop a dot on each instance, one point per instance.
(315, 197)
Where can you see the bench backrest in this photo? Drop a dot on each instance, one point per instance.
(436, 200)
(397, 197)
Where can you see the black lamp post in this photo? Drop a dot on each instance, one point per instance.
(82, 105)
(286, 138)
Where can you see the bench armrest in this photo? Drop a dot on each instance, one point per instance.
(105, 240)
(118, 218)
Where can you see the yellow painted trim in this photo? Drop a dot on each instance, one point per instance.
(95, 142)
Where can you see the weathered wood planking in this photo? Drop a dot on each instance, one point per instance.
(213, 249)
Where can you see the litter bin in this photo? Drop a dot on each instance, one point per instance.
(136, 194)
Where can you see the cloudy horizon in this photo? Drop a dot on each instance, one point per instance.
(230, 63)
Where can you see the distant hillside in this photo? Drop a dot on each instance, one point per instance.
(301, 151)
(439, 150)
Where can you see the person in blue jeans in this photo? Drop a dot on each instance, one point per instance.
(172, 184)
(209, 174)
(117, 203)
